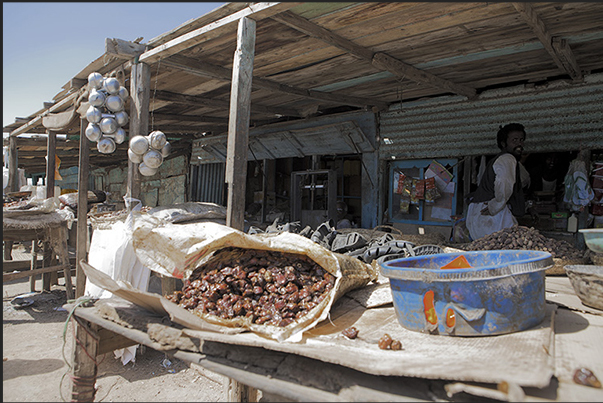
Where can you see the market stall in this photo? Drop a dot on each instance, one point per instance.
(538, 364)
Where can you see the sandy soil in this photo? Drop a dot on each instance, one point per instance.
(37, 346)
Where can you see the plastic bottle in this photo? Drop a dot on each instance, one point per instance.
(572, 223)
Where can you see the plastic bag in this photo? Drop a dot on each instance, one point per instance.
(112, 252)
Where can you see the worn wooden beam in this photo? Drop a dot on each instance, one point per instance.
(51, 152)
(228, 24)
(37, 121)
(380, 60)
(205, 69)
(81, 245)
(558, 49)
(216, 103)
(140, 93)
(311, 29)
(78, 83)
(123, 49)
(34, 272)
(190, 118)
(403, 70)
(238, 127)
(84, 355)
(13, 156)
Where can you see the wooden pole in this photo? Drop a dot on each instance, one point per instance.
(140, 90)
(236, 158)
(238, 124)
(51, 152)
(85, 348)
(81, 252)
(13, 172)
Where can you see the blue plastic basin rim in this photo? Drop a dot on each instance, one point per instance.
(531, 265)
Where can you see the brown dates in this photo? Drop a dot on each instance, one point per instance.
(350, 332)
(268, 287)
(387, 343)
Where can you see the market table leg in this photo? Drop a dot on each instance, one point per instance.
(8, 250)
(34, 263)
(64, 260)
(84, 364)
(238, 392)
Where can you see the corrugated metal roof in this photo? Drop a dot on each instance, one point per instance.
(557, 117)
(336, 138)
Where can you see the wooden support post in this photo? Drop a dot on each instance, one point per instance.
(268, 187)
(84, 368)
(237, 151)
(63, 255)
(34, 263)
(81, 252)
(47, 278)
(238, 124)
(8, 250)
(140, 90)
(13, 172)
(51, 152)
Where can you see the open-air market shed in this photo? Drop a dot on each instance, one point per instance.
(304, 104)
(276, 102)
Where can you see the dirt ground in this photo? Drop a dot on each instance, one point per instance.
(37, 346)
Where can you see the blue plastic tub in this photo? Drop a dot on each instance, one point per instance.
(502, 292)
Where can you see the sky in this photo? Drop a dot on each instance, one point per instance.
(45, 44)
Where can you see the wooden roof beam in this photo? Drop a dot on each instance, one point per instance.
(204, 69)
(379, 60)
(215, 103)
(37, 121)
(556, 47)
(228, 24)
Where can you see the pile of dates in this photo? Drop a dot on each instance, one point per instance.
(520, 237)
(268, 287)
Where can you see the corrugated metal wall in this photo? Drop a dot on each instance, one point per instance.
(557, 117)
(207, 183)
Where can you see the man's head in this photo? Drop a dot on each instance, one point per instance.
(510, 138)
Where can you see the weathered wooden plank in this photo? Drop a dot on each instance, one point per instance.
(34, 272)
(81, 252)
(110, 341)
(59, 120)
(37, 121)
(565, 60)
(51, 150)
(309, 28)
(84, 369)
(140, 91)
(123, 49)
(379, 60)
(209, 70)
(215, 29)
(13, 177)
(403, 70)
(238, 127)
(216, 103)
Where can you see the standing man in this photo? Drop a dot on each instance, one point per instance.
(499, 197)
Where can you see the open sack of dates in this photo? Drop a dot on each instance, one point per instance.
(276, 285)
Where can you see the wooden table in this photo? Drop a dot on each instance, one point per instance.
(290, 373)
(51, 230)
(275, 373)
